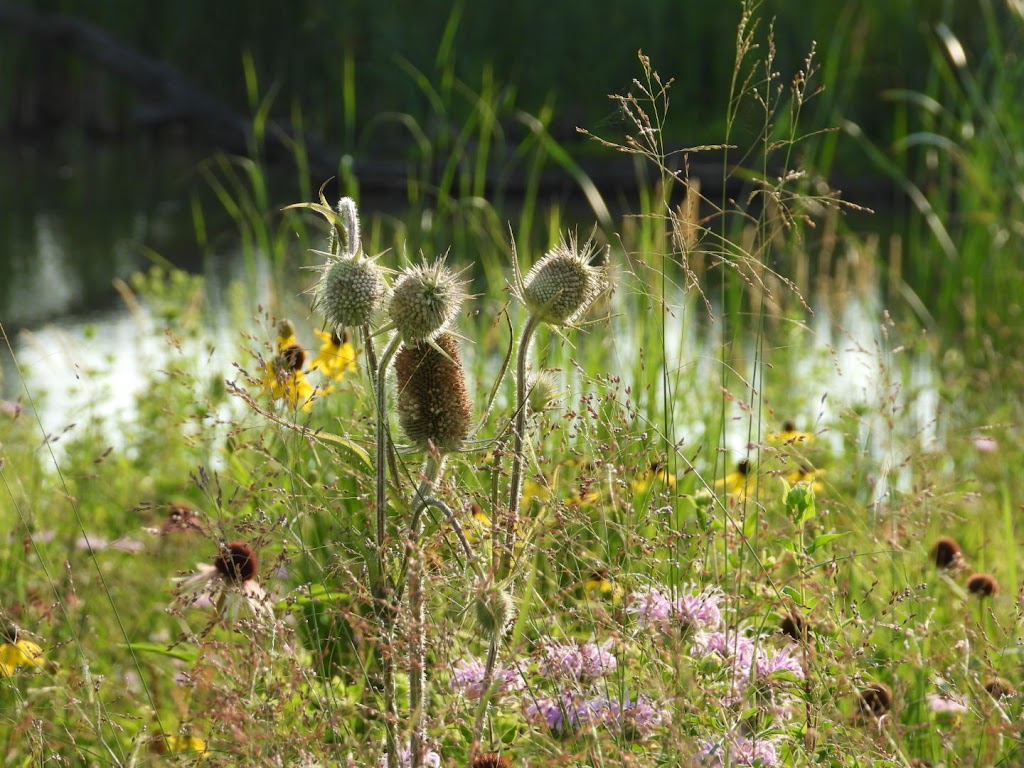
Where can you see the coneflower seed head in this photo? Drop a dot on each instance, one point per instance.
(946, 552)
(237, 562)
(982, 585)
(875, 700)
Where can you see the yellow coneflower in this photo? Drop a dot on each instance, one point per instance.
(805, 473)
(336, 357)
(16, 651)
(655, 472)
(599, 584)
(740, 482)
(790, 435)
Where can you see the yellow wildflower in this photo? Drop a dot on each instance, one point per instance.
(336, 357)
(539, 492)
(584, 497)
(655, 472)
(600, 585)
(790, 435)
(286, 336)
(739, 482)
(184, 743)
(284, 380)
(805, 473)
(17, 651)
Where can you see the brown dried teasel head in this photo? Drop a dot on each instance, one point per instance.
(434, 407)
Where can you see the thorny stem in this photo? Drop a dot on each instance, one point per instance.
(433, 466)
(379, 587)
(485, 699)
(519, 430)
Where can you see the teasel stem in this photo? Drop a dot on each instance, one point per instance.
(380, 587)
(518, 436)
(485, 698)
(433, 466)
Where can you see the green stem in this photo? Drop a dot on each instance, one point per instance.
(519, 431)
(379, 587)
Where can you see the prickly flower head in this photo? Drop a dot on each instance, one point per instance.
(425, 301)
(433, 403)
(350, 292)
(561, 287)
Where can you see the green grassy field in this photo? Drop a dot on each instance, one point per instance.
(761, 509)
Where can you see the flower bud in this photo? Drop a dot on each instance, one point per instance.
(494, 610)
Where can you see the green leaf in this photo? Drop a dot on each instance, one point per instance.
(180, 652)
(821, 541)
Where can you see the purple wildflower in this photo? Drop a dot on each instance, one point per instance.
(634, 718)
(561, 715)
(430, 759)
(468, 676)
(946, 703)
(577, 661)
(699, 610)
(767, 664)
(739, 751)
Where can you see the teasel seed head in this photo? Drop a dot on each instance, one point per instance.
(351, 291)
(494, 610)
(543, 390)
(434, 407)
(983, 585)
(563, 285)
(425, 301)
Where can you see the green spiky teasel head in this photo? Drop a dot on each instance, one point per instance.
(434, 406)
(425, 301)
(351, 292)
(543, 391)
(564, 284)
(494, 610)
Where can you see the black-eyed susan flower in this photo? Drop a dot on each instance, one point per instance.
(741, 482)
(805, 473)
(599, 584)
(790, 435)
(17, 651)
(283, 378)
(336, 357)
(230, 582)
(655, 472)
(181, 743)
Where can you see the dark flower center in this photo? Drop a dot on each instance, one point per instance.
(237, 562)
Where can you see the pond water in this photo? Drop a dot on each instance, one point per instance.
(76, 225)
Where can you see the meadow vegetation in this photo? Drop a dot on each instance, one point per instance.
(673, 490)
